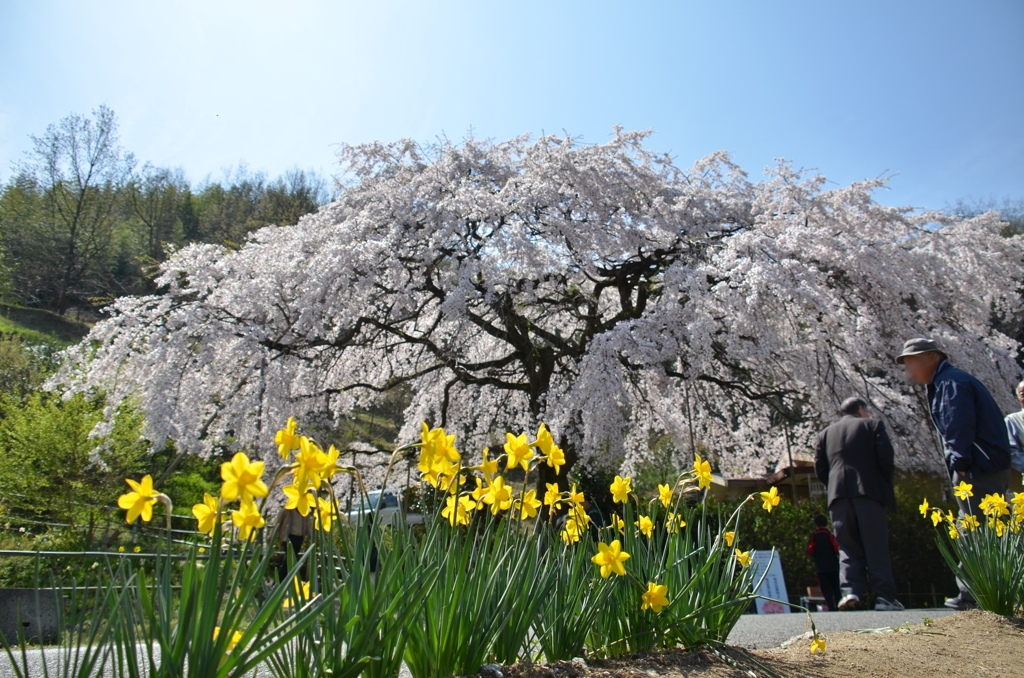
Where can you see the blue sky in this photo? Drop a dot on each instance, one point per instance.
(932, 92)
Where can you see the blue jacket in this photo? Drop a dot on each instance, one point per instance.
(969, 422)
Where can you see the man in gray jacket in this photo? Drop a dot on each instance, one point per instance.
(854, 459)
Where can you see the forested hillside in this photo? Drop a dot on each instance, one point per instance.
(82, 221)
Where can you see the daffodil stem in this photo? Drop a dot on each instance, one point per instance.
(166, 501)
(395, 456)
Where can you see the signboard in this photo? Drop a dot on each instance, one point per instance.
(773, 586)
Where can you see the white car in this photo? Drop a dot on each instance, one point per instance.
(388, 503)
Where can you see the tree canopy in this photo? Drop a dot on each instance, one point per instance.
(598, 288)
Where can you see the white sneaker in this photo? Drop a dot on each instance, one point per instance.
(849, 602)
(883, 605)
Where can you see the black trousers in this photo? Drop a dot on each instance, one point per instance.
(862, 530)
(294, 544)
(828, 582)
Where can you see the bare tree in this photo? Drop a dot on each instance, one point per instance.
(79, 168)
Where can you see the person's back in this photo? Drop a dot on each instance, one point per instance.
(824, 548)
(858, 460)
(854, 459)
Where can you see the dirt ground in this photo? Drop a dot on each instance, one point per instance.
(967, 644)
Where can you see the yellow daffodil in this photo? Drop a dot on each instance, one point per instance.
(936, 517)
(206, 514)
(528, 505)
(770, 499)
(994, 505)
(478, 494)
(580, 516)
(489, 467)
(457, 510)
(553, 455)
(518, 450)
(247, 519)
(330, 467)
(440, 474)
(242, 478)
(552, 495)
(544, 440)
(139, 502)
(674, 523)
(743, 558)
(299, 498)
(236, 638)
(646, 526)
(729, 536)
(576, 497)
(302, 588)
(450, 510)
(325, 513)
(286, 439)
(620, 489)
(572, 531)
(656, 597)
(618, 523)
(137, 549)
(923, 508)
(1018, 502)
(702, 471)
(310, 462)
(969, 522)
(498, 496)
(963, 490)
(444, 475)
(953, 532)
(439, 444)
(555, 458)
(610, 558)
(437, 454)
(467, 505)
(665, 495)
(950, 518)
(817, 644)
(1000, 526)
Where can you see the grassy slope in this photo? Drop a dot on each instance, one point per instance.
(36, 325)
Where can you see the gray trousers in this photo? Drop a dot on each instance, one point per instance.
(981, 484)
(862, 530)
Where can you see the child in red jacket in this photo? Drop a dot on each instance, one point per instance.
(824, 548)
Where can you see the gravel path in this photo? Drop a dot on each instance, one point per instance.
(771, 630)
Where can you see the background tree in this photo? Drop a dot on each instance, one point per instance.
(227, 212)
(81, 225)
(77, 169)
(1010, 211)
(156, 196)
(600, 289)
